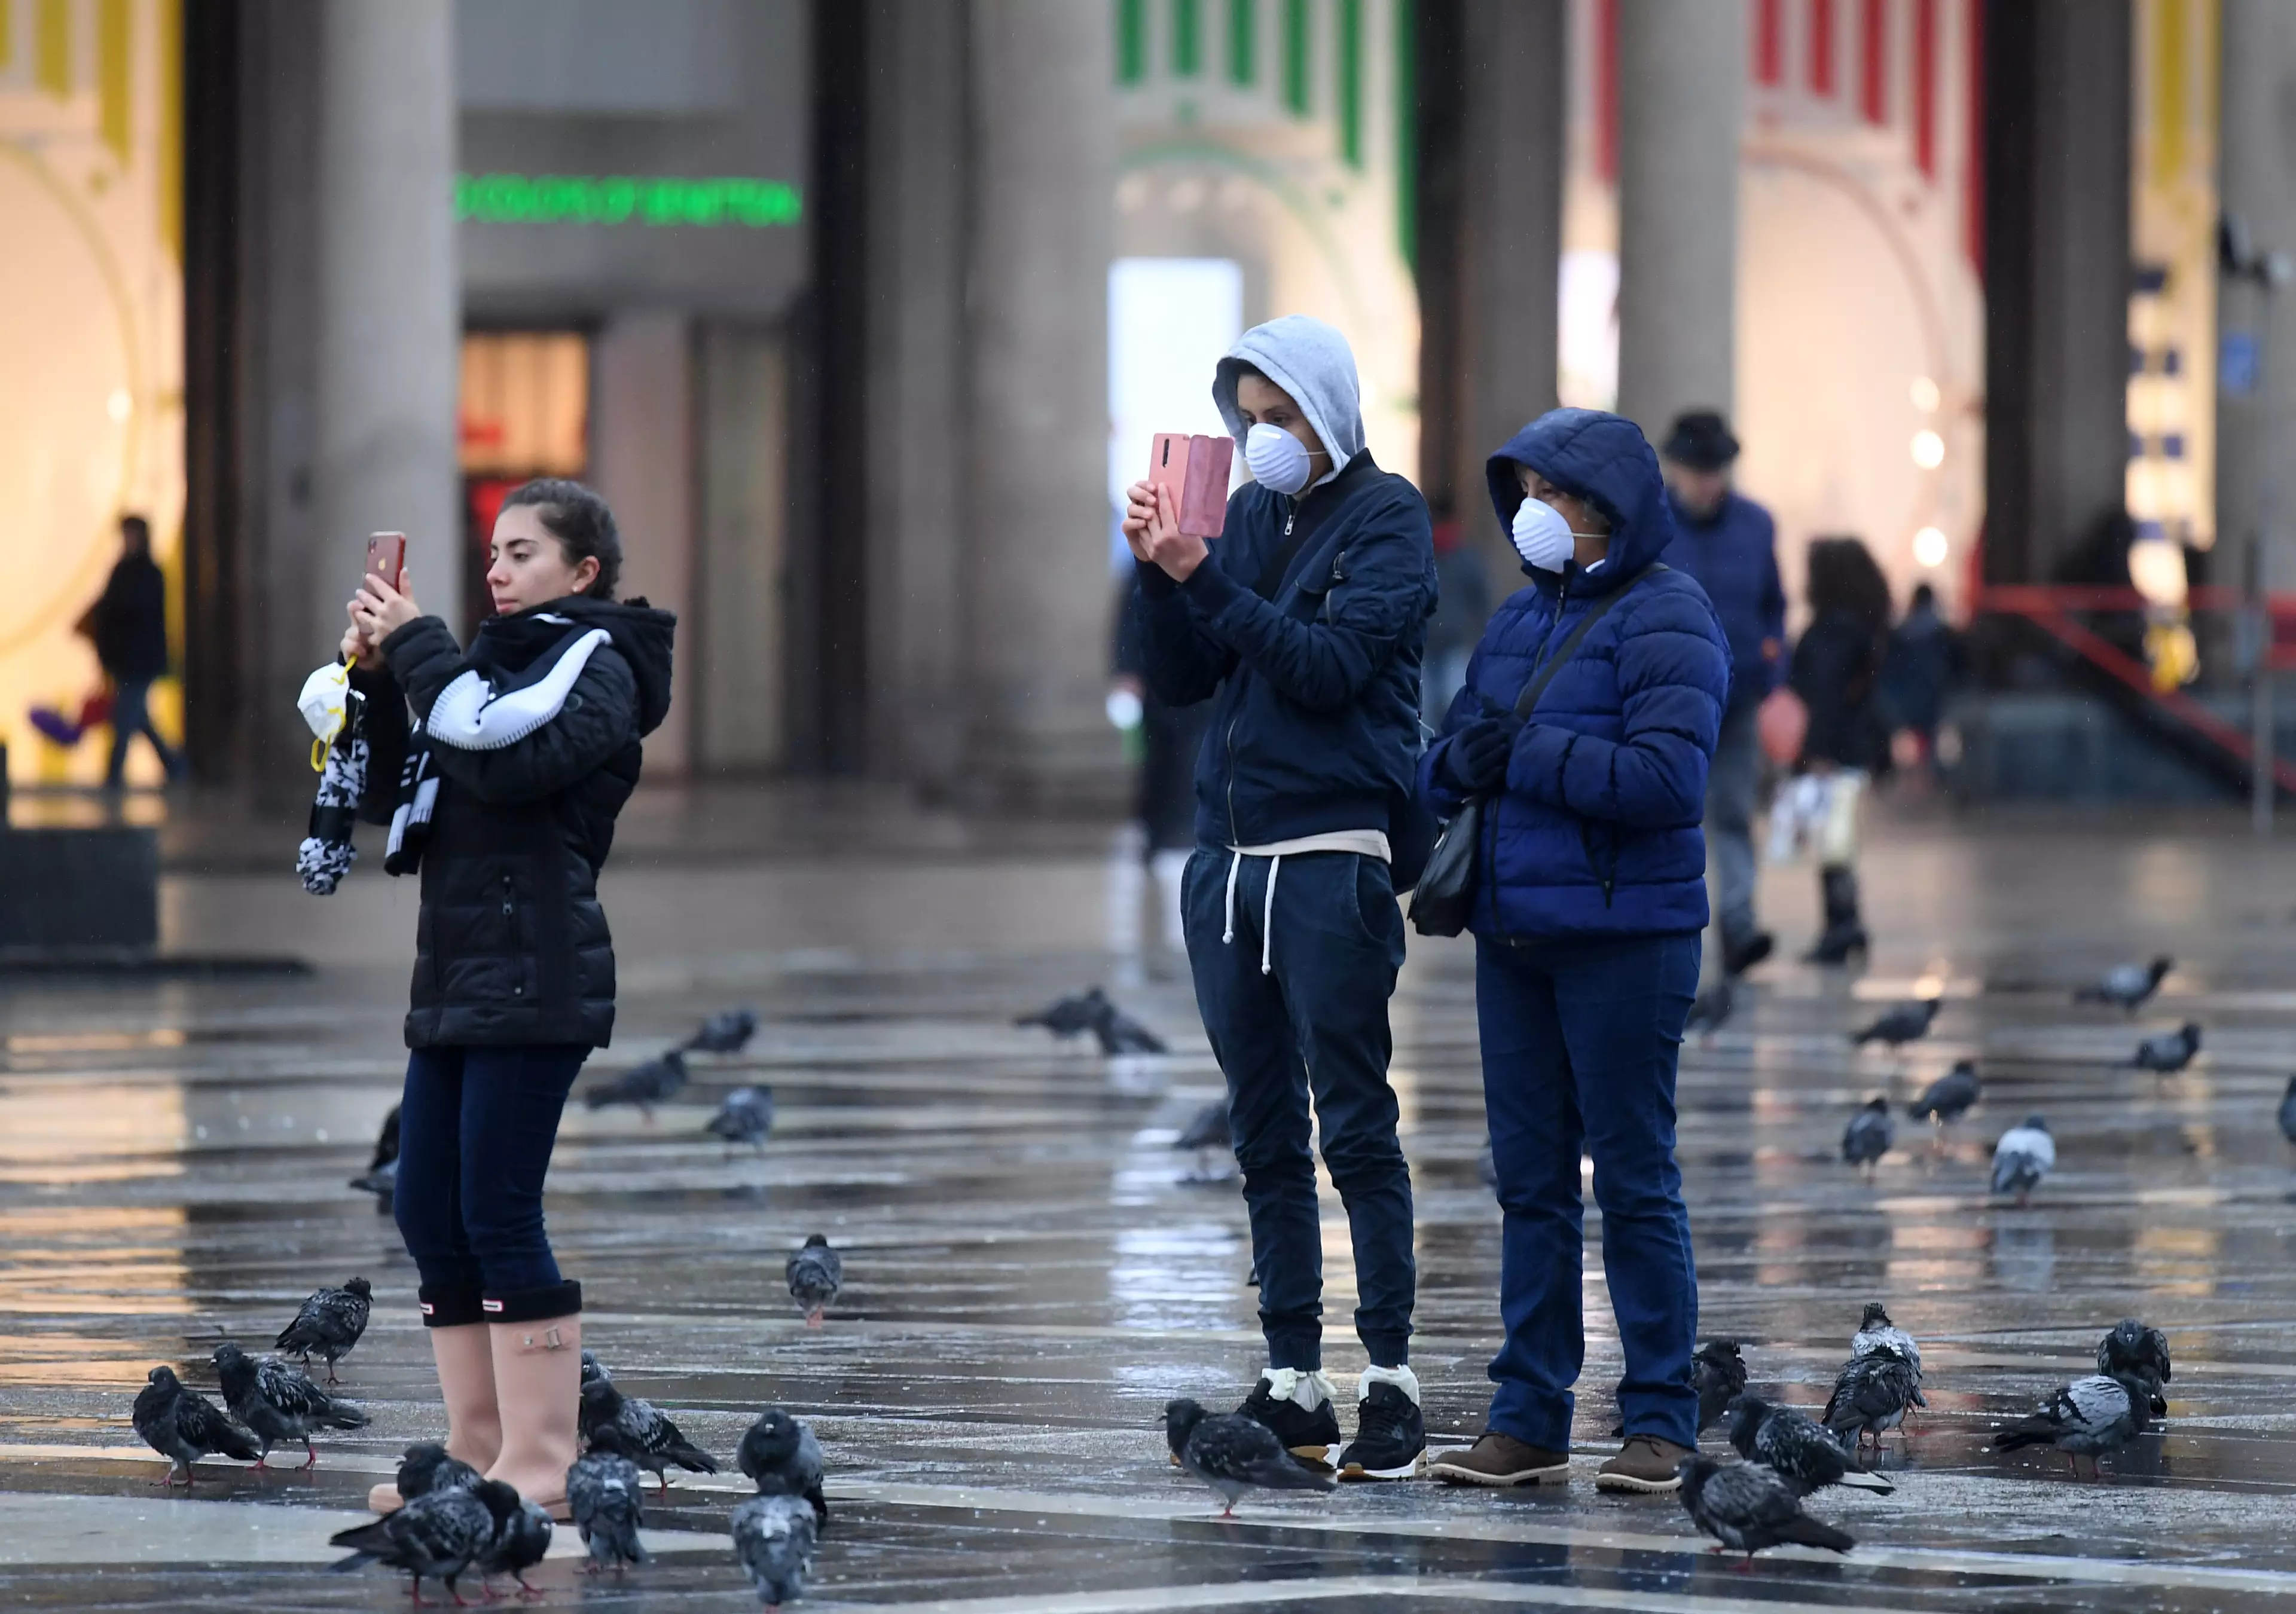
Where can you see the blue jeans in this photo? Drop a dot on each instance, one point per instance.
(476, 1127)
(1315, 1022)
(1580, 1040)
(131, 714)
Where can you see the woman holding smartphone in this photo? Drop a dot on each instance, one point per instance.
(500, 770)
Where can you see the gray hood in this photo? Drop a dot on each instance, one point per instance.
(1313, 362)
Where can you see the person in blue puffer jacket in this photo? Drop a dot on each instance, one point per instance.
(1591, 894)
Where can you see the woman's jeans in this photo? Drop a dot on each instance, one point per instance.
(475, 1131)
(1580, 1040)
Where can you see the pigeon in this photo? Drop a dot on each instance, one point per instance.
(382, 1177)
(184, 1426)
(275, 1402)
(1709, 1010)
(1067, 1018)
(744, 1116)
(1871, 1395)
(438, 1534)
(521, 1540)
(649, 1439)
(2025, 1154)
(1875, 1332)
(1746, 1507)
(2088, 1417)
(605, 1498)
(1869, 1134)
(2288, 1112)
(2126, 986)
(1796, 1448)
(1232, 1453)
(2170, 1051)
(592, 1368)
(656, 1082)
(1208, 1131)
(773, 1542)
(2134, 1351)
(426, 1467)
(1905, 1023)
(329, 1323)
(815, 1273)
(727, 1031)
(1947, 1099)
(782, 1458)
(1718, 1372)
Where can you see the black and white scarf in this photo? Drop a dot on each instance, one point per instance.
(326, 854)
(515, 678)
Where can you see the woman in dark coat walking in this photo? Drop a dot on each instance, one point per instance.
(1591, 894)
(500, 771)
(1837, 672)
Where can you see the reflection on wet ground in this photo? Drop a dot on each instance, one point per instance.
(1029, 1278)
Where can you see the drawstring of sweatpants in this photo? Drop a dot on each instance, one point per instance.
(1267, 910)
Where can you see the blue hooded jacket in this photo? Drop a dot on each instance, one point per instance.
(1597, 832)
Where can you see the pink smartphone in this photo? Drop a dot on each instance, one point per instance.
(1194, 472)
(385, 558)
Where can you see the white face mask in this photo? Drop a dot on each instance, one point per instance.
(1542, 536)
(1278, 460)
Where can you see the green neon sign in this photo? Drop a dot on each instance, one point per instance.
(620, 198)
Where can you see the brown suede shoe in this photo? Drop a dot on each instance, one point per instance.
(1497, 1459)
(1644, 1465)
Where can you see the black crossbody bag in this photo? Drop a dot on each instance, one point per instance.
(1446, 889)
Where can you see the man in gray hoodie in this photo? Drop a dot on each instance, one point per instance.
(1306, 620)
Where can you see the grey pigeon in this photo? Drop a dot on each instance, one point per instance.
(1875, 1332)
(2126, 987)
(438, 1534)
(1233, 1454)
(2024, 1156)
(2087, 1418)
(380, 1178)
(521, 1540)
(1210, 1130)
(647, 1436)
(656, 1082)
(1796, 1448)
(1068, 1017)
(1871, 1396)
(605, 1498)
(184, 1426)
(815, 1273)
(745, 1116)
(1119, 1033)
(1947, 1099)
(727, 1031)
(328, 1323)
(773, 1542)
(426, 1466)
(2134, 1351)
(1905, 1023)
(2170, 1051)
(1746, 1507)
(782, 1458)
(1711, 1010)
(275, 1402)
(1869, 1134)
(2288, 1112)
(592, 1368)
(1718, 1372)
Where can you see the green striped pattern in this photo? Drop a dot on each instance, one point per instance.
(1351, 70)
(1131, 41)
(1242, 42)
(1187, 38)
(1296, 46)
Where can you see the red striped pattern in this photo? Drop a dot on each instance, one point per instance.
(1821, 48)
(1769, 41)
(1925, 87)
(1874, 62)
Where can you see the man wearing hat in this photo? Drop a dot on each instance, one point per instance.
(1729, 544)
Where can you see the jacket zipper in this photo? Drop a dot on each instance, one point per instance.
(1491, 861)
(1235, 835)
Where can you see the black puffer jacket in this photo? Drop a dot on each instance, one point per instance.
(512, 945)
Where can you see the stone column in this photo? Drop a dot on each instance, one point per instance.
(389, 304)
(1681, 64)
(1510, 241)
(2259, 186)
(1037, 594)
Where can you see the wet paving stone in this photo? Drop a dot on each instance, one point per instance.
(1030, 1275)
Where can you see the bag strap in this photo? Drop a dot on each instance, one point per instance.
(1545, 676)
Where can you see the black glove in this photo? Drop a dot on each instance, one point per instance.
(1477, 761)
